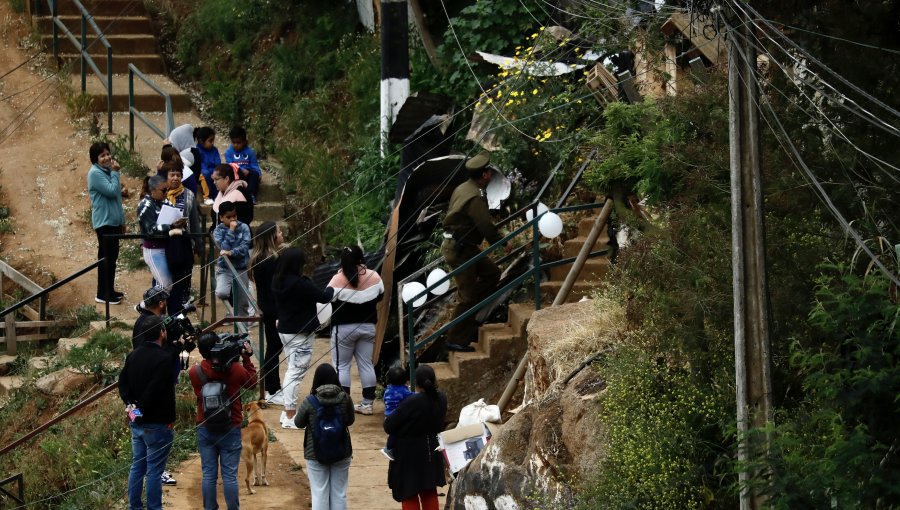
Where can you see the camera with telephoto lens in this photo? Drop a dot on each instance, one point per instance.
(179, 326)
(227, 349)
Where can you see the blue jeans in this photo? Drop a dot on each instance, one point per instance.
(150, 445)
(328, 484)
(215, 450)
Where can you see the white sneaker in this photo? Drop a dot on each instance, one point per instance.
(208, 201)
(277, 399)
(363, 408)
(287, 423)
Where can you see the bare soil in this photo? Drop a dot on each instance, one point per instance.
(44, 180)
(288, 486)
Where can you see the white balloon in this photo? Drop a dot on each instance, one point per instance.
(433, 278)
(550, 225)
(529, 214)
(411, 290)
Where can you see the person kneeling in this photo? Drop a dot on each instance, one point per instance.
(217, 382)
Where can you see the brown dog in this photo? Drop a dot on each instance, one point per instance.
(255, 440)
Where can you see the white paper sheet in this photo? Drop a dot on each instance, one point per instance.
(168, 215)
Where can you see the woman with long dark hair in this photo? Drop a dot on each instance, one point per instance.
(295, 300)
(357, 290)
(263, 260)
(417, 469)
(327, 480)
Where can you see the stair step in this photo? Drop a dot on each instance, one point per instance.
(572, 247)
(268, 211)
(519, 314)
(110, 25)
(458, 359)
(494, 336)
(585, 225)
(147, 64)
(146, 99)
(443, 371)
(270, 189)
(97, 8)
(139, 44)
(579, 290)
(594, 269)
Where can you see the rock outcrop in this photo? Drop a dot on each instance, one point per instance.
(539, 456)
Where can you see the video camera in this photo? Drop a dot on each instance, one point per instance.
(179, 326)
(227, 349)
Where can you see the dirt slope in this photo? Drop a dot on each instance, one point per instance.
(44, 180)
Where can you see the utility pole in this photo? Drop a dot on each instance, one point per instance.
(394, 63)
(751, 315)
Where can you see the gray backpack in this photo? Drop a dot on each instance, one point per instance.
(215, 403)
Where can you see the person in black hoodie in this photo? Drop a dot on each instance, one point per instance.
(295, 299)
(417, 469)
(147, 388)
(263, 259)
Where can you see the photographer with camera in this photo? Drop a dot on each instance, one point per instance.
(148, 390)
(217, 382)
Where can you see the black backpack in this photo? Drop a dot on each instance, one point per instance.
(330, 435)
(215, 403)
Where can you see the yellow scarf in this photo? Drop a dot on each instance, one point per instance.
(172, 194)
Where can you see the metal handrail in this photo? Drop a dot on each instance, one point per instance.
(133, 111)
(534, 272)
(82, 47)
(237, 284)
(52, 287)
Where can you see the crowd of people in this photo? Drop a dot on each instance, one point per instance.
(188, 175)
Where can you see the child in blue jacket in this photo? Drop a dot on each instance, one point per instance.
(396, 391)
(209, 156)
(240, 153)
(233, 239)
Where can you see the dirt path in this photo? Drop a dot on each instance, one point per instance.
(288, 487)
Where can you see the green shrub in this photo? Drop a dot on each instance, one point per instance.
(112, 341)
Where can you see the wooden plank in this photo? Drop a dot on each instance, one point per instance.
(19, 278)
(29, 312)
(27, 338)
(387, 278)
(40, 324)
(10, 337)
(713, 49)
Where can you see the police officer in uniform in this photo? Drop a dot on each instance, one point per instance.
(467, 224)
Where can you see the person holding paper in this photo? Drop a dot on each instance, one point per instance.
(158, 222)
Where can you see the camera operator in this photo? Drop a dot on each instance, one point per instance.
(149, 394)
(219, 440)
(178, 329)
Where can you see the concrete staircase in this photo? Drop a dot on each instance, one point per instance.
(126, 24)
(468, 376)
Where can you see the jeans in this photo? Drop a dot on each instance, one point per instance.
(215, 450)
(298, 354)
(328, 484)
(224, 281)
(159, 266)
(355, 340)
(150, 445)
(106, 273)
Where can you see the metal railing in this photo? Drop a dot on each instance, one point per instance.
(535, 273)
(134, 112)
(82, 46)
(238, 286)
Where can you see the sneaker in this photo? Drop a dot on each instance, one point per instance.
(387, 453)
(253, 199)
(363, 408)
(277, 399)
(118, 294)
(460, 348)
(167, 479)
(287, 423)
(112, 301)
(208, 201)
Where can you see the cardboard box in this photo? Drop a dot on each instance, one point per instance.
(462, 444)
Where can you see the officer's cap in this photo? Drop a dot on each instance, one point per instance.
(478, 162)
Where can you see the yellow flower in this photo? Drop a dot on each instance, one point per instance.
(489, 101)
(534, 92)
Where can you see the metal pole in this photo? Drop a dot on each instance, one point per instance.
(131, 111)
(592, 237)
(109, 87)
(412, 347)
(394, 63)
(53, 19)
(262, 357)
(83, 54)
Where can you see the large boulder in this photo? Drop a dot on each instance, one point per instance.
(63, 381)
(536, 459)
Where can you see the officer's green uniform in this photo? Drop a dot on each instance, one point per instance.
(469, 221)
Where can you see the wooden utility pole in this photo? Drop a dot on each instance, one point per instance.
(394, 63)
(751, 315)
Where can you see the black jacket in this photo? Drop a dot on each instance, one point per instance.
(146, 381)
(262, 276)
(296, 300)
(414, 426)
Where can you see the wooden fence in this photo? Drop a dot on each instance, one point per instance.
(36, 327)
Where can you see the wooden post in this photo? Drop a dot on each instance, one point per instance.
(394, 63)
(750, 293)
(424, 33)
